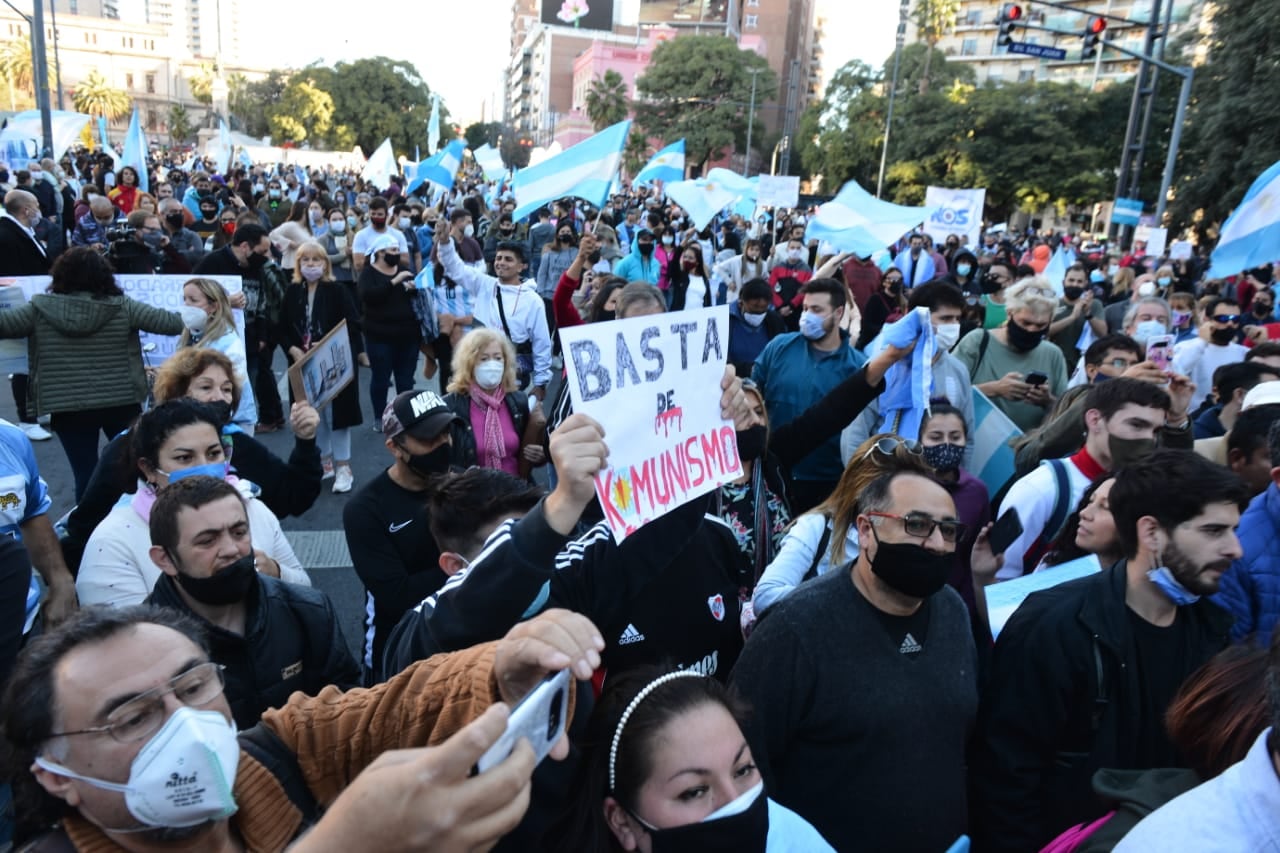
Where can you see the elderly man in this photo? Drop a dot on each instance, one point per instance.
(91, 229)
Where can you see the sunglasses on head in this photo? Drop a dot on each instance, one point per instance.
(889, 444)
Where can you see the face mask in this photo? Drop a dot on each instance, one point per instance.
(217, 470)
(645, 248)
(947, 334)
(257, 261)
(338, 227)
(1073, 293)
(667, 239)
(1164, 281)
(153, 241)
(1022, 339)
(910, 569)
(391, 259)
(469, 231)
(226, 586)
(259, 187)
(753, 320)
(4, 175)
(1112, 270)
(430, 464)
(606, 314)
(228, 228)
(312, 272)
(963, 269)
(1148, 329)
(944, 457)
(688, 266)
(793, 254)
(1260, 310)
(1222, 337)
(811, 326)
(353, 221)
(1126, 451)
(223, 410)
(742, 825)
(1181, 318)
(316, 216)
(404, 222)
(489, 374)
(174, 220)
(182, 777)
(1174, 591)
(1097, 277)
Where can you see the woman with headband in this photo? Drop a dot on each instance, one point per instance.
(666, 767)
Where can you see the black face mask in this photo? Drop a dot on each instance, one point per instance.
(1022, 339)
(753, 442)
(256, 261)
(1073, 293)
(223, 409)
(645, 248)
(227, 586)
(594, 257)
(174, 220)
(910, 569)
(605, 315)
(1261, 310)
(744, 832)
(1222, 337)
(4, 175)
(989, 286)
(431, 463)
(391, 260)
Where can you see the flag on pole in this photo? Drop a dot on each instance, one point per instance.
(106, 144)
(666, 166)
(701, 199)
(222, 159)
(433, 125)
(245, 159)
(489, 159)
(135, 151)
(381, 165)
(585, 171)
(439, 170)
(858, 222)
(1251, 236)
(993, 459)
(1056, 270)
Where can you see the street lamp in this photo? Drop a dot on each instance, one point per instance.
(888, 121)
(751, 117)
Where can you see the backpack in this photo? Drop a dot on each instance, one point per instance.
(1057, 518)
(817, 555)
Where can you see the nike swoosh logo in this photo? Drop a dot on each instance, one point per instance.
(396, 528)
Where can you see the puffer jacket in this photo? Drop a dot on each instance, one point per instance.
(1251, 587)
(464, 453)
(84, 350)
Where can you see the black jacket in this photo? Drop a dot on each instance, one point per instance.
(1047, 723)
(464, 453)
(388, 312)
(332, 304)
(19, 254)
(292, 642)
(679, 280)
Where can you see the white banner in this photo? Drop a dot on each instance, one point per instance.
(1155, 238)
(778, 191)
(960, 212)
(654, 385)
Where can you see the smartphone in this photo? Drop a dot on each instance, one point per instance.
(538, 718)
(1005, 531)
(1036, 377)
(1160, 351)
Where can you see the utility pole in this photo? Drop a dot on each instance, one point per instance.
(57, 60)
(893, 91)
(751, 119)
(40, 77)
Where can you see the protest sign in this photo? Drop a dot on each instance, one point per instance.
(1153, 237)
(653, 383)
(1004, 598)
(778, 191)
(958, 212)
(13, 351)
(325, 369)
(1180, 250)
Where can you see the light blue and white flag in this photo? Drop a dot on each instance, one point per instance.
(381, 165)
(858, 222)
(701, 199)
(222, 159)
(1251, 236)
(433, 126)
(300, 174)
(489, 159)
(1056, 270)
(440, 169)
(666, 166)
(959, 212)
(106, 144)
(245, 159)
(135, 151)
(584, 171)
(993, 459)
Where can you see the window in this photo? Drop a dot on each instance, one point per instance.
(973, 18)
(152, 120)
(753, 2)
(1026, 75)
(151, 84)
(969, 47)
(751, 22)
(128, 82)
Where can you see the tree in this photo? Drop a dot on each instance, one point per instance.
(607, 102)
(515, 149)
(481, 133)
(698, 87)
(179, 123)
(1230, 132)
(376, 98)
(934, 20)
(303, 113)
(251, 103)
(96, 96)
(839, 137)
(201, 83)
(636, 153)
(16, 70)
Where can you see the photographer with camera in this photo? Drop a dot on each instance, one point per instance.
(142, 246)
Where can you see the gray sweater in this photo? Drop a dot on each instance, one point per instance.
(865, 743)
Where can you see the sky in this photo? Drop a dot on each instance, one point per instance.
(463, 52)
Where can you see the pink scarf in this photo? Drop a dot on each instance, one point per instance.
(494, 448)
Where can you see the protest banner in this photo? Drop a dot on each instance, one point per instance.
(1153, 237)
(653, 383)
(1180, 250)
(993, 458)
(1004, 598)
(325, 369)
(959, 212)
(13, 351)
(778, 191)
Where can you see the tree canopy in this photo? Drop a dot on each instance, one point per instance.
(607, 101)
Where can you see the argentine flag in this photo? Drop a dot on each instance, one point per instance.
(440, 169)
(858, 222)
(135, 151)
(1251, 236)
(702, 199)
(584, 171)
(666, 166)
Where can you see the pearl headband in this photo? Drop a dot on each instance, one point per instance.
(626, 715)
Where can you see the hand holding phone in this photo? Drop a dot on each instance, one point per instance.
(1005, 531)
(1160, 351)
(539, 718)
(1036, 377)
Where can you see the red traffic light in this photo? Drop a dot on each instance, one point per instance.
(1011, 12)
(1097, 25)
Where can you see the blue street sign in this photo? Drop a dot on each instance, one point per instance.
(1039, 50)
(1126, 211)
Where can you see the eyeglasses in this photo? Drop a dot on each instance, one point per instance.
(922, 526)
(887, 445)
(1119, 363)
(1226, 318)
(143, 715)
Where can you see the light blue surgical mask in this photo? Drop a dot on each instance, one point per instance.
(811, 326)
(963, 269)
(1097, 277)
(1169, 585)
(1148, 329)
(1164, 281)
(217, 470)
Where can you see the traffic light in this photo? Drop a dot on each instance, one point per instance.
(1010, 13)
(1092, 35)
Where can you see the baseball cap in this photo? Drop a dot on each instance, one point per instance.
(1262, 394)
(382, 241)
(422, 414)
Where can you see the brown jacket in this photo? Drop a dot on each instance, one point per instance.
(335, 735)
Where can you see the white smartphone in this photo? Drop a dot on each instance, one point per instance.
(538, 718)
(1160, 351)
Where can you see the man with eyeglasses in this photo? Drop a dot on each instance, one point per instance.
(1215, 346)
(272, 638)
(863, 681)
(118, 736)
(1083, 673)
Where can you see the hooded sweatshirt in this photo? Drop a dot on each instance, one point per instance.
(637, 267)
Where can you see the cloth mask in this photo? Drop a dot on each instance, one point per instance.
(947, 335)
(753, 320)
(742, 825)
(910, 569)
(182, 777)
(217, 470)
(312, 272)
(1073, 293)
(1126, 451)
(1180, 318)
(944, 457)
(227, 586)
(811, 326)
(431, 463)
(1222, 337)
(489, 374)
(1023, 340)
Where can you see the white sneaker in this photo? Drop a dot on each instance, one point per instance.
(342, 480)
(35, 432)
(44, 420)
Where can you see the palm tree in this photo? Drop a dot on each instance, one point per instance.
(201, 83)
(636, 152)
(179, 123)
(934, 19)
(16, 69)
(607, 101)
(96, 96)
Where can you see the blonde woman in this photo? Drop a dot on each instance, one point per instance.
(499, 426)
(313, 308)
(220, 333)
(1014, 365)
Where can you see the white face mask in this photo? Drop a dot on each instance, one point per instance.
(338, 226)
(404, 223)
(947, 334)
(1148, 329)
(469, 231)
(489, 374)
(753, 320)
(183, 776)
(312, 272)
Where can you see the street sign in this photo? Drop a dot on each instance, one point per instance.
(1127, 211)
(1039, 50)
